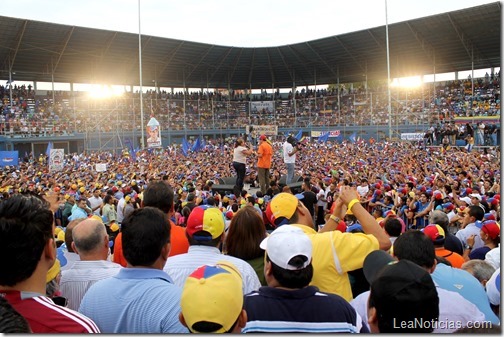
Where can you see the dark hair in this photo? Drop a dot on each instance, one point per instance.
(12, 321)
(209, 327)
(245, 233)
(68, 233)
(209, 243)
(392, 226)
(292, 279)
(477, 212)
(145, 233)
(416, 247)
(107, 198)
(26, 223)
(160, 195)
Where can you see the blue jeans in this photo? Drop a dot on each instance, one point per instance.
(290, 173)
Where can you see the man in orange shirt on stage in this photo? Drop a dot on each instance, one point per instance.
(264, 154)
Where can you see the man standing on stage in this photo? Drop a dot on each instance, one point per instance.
(264, 154)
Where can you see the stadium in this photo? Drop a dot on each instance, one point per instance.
(209, 91)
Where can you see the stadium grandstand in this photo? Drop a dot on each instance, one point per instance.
(196, 89)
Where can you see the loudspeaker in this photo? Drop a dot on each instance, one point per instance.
(295, 179)
(296, 187)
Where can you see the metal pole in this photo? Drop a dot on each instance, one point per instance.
(10, 88)
(388, 76)
(142, 141)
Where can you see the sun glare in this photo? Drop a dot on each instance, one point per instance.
(407, 82)
(104, 91)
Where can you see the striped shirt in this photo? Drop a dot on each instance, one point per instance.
(46, 317)
(136, 300)
(76, 280)
(304, 310)
(182, 265)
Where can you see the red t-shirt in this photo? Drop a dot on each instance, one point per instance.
(46, 317)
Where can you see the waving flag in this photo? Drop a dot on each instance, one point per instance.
(50, 146)
(324, 137)
(185, 146)
(197, 145)
(353, 137)
(299, 135)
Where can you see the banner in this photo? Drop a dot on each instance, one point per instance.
(412, 136)
(56, 158)
(154, 133)
(477, 119)
(258, 107)
(334, 133)
(8, 158)
(268, 130)
(101, 167)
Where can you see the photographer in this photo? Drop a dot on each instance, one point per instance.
(290, 147)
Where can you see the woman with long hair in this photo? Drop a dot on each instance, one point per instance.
(245, 233)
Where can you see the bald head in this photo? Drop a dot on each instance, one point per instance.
(90, 239)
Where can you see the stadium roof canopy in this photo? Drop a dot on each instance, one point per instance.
(40, 51)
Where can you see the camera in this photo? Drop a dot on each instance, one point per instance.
(294, 142)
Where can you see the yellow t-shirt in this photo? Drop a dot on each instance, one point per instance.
(334, 255)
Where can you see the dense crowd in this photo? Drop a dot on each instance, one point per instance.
(362, 205)
(37, 115)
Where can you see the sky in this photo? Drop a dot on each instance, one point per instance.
(257, 23)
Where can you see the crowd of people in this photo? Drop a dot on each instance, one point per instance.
(30, 114)
(378, 235)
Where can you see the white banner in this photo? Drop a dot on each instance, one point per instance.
(154, 136)
(412, 136)
(268, 130)
(334, 133)
(56, 160)
(101, 167)
(257, 107)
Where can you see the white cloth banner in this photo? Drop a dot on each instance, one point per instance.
(101, 167)
(412, 136)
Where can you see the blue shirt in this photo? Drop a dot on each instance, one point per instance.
(465, 284)
(136, 300)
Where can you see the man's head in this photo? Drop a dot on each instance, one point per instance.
(26, 238)
(401, 292)
(472, 214)
(439, 218)
(392, 227)
(160, 195)
(146, 237)
(416, 247)
(68, 233)
(205, 226)
(436, 233)
(480, 269)
(82, 203)
(212, 300)
(287, 209)
(288, 258)
(90, 240)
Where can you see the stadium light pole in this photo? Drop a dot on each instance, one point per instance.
(388, 76)
(142, 142)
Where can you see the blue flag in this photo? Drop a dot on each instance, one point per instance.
(197, 145)
(185, 146)
(49, 148)
(353, 137)
(131, 150)
(299, 135)
(324, 137)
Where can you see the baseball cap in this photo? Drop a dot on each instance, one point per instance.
(53, 271)
(467, 200)
(449, 206)
(475, 195)
(436, 233)
(490, 227)
(207, 219)
(263, 137)
(212, 294)
(489, 216)
(286, 242)
(400, 291)
(283, 206)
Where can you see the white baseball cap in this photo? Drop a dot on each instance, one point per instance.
(286, 242)
(467, 200)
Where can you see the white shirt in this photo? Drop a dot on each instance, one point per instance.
(76, 281)
(182, 265)
(120, 210)
(452, 308)
(288, 148)
(470, 229)
(493, 257)
(238, 155)
(94, 202)
(71, 258)
(362, 190)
